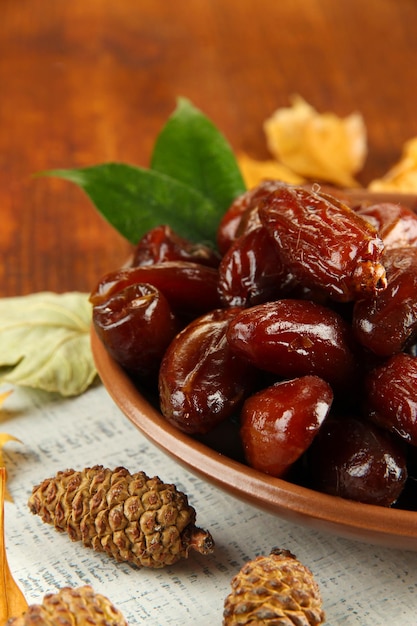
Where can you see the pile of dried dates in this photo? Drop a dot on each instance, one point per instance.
(300, 331)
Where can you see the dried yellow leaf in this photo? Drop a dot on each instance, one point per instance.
(254, 171)
(402, 177)
(317, 146)
(12, 600)
(4, 438)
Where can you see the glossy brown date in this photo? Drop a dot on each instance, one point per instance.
(280, 422)
(227, 229)
(396, 224)
(201, 381)
(391, 396)
(190, 288)
(294, 338)
(136, 326)
(162, 244)
(230, 226)
(353, 459)
(324, 242)
(387, 323)
(252, 272)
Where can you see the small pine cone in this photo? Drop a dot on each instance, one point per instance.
(78, 607)
(274, 590)
(131, 517)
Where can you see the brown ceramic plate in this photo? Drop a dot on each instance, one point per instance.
(374, 524)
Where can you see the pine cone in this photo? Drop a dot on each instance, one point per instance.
(274, 590)
(131, 517)
(78, 607)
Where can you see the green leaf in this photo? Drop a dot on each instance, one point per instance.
(191, 149)
(194, 177)
(45, 342)
(133, 200)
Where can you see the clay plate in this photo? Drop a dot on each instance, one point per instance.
(372, 524)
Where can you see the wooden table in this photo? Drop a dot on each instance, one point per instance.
(88, 82)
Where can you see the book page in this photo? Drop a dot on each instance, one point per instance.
(360, 584)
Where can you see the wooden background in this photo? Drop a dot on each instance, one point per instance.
(83, 82)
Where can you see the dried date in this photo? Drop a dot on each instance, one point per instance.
(201, 381)
(230, 226)
(396, 224)
(391, 396)
(324, 242)
(136, 326)
(161, 244)
(387, 323)
(190, 288)
(252, 271)
(356, 460)
(280, 422)
(294, 338)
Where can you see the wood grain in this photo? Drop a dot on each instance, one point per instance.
(88, 82)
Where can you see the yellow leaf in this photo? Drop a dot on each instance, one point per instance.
(402, 177)
(4, 438)
(317, 146)
(254, 172)
(12, 600)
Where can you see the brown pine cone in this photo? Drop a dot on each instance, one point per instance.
(78, 607)
(274, 590)
(131, 517)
